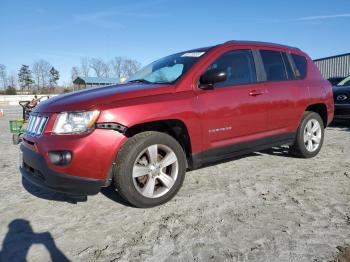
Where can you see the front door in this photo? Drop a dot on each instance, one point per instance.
(235, 110)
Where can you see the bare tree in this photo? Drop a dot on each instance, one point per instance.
(36, 72)
(117, 66)
(98, 66)
(45, 74)
(106, 70)
(41, 71)
(124, 67)
(85, 67)
(12, 80)
(3, 75)
(130, 67)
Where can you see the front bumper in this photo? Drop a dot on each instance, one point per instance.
(92, 154)
(35, 170)
(342, 111)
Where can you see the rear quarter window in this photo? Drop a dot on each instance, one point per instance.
(289, 69)
(301, 66)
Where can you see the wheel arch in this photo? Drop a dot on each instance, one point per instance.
(174, 127)
(320, 109)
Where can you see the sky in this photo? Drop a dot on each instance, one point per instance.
(63, 32)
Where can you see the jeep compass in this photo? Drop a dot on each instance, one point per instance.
(178, 113)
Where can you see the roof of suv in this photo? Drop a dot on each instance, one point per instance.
(244, 42)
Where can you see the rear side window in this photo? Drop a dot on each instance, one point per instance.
(289, 69)
(274, 65)
(239, 67)
(301, 66)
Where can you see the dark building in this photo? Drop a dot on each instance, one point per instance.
(334, 66)
(84, 82)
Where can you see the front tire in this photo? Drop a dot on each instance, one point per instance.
(150, 169)
(16, 138)
(310, 136)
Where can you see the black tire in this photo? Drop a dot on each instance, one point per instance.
(299, 149)
(16, 139)
(122, 175)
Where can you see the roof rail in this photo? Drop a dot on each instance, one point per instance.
(259, 43)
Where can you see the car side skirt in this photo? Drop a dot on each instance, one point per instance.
(215, 155)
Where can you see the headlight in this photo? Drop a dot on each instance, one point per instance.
(75, 122)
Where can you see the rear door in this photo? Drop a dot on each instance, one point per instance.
(284, 92)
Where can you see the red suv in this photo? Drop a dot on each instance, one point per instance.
(180, 112)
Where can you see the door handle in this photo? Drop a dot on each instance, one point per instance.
(256, 93)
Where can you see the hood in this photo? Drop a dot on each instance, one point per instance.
(94, 97)
(341, 89)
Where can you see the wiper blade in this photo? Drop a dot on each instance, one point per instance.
(139, 81)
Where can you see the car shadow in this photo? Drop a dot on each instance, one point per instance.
(50, 195)
(113, 195)
(229, 159)
(46, 194)
(20, 237)
(282, 151)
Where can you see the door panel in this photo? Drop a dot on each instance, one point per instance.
(236, 108)
(284, 91)
(231, 112)
(283, 110)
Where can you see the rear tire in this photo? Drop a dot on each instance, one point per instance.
(309, 137)
(150, 169)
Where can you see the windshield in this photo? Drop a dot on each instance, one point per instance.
(168, 69)
(344, 82)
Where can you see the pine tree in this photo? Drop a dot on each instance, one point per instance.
(54, 76)
(25, 77)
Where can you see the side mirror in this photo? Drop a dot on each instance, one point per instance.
(209, 78)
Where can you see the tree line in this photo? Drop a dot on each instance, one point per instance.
(41, 77)
(119, 67)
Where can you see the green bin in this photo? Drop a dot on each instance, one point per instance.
(16, 126)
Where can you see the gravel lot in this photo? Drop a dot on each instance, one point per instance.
(265, 206)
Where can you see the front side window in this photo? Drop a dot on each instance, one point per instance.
(239, 67)
(168, 69)
(274, 65)
(301, 64)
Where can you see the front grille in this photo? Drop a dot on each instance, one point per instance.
(36, 125)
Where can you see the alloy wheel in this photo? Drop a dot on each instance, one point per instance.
(312, 135)
(155, 171)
